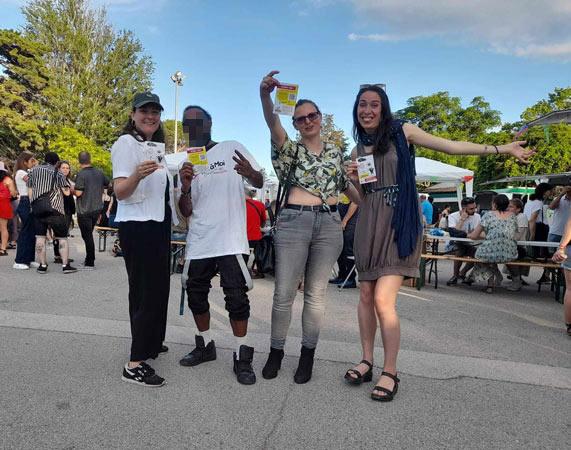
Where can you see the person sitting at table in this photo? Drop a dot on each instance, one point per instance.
(466, 220)
(521, 234)
(499, 244)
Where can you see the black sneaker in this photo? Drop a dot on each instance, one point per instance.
(68, 268)
(143, 375)
(42, 268)
(58, 260)
(202, 353)
(243, 366)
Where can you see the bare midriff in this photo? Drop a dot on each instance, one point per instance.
(299, 196)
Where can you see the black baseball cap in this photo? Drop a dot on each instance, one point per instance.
(144, 98)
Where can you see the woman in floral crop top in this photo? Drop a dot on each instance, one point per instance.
(309, 236)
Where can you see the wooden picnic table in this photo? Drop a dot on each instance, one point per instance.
(557, 282)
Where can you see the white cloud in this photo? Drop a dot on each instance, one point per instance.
(525, 28)
(374, 37)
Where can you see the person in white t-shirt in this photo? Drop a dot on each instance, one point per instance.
(561, 206)
(144, 190)
(467, 219)
(26, 245)
(213, 197)
(522, 234)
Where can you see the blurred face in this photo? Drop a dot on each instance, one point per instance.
(64, 168)
(471, 209)
(197, 127)
(567, 190)
(513, 209)
(369, 111)
(32, 162)
(147, 119)
(307, 120)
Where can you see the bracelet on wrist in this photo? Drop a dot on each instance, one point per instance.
(497, 150)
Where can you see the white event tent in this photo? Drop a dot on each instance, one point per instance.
(431, 171)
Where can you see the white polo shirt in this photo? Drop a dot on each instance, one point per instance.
(147, 202)
(217, 225)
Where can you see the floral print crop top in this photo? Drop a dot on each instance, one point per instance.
(322, 175)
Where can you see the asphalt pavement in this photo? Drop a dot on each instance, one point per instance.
(477, 371)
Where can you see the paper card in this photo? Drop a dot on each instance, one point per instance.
(155, 151)
(197, 156)
(366, 169)
(286, 97)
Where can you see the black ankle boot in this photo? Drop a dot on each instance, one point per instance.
(303, 372)
(273, 364)
(243, 365)
(202, 353)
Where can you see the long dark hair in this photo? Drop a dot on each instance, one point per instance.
(382, 137)
(502, 202)
(23, 158)
(129, 128)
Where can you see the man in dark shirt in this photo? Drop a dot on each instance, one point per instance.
(89, 192)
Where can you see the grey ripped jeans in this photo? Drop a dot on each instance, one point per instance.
(307, 244)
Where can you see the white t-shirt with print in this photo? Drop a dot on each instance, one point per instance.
(147, 202)
(560, 216)
(217, 225)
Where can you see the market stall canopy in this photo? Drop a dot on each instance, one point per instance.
(429, 170)
(553, 178)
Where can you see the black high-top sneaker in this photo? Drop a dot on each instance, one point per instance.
(243, 366)
(202, 353)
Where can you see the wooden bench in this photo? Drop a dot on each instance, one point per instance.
(557, 284)
(102, 232)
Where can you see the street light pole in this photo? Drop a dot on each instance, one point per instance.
(177, 78)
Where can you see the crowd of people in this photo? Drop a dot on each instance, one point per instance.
(377, 227)
(38, 203)
(540, 218)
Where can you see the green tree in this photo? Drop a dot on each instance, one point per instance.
(559, 99)
(23, 90)
(552, 142)
(168, 126)
(331, 133)
(443, 115)
(68, 142)
(93, 70)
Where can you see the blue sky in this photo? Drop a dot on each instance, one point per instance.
(512, 52)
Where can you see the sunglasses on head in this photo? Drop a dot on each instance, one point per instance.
(378, 85)
(312, 116)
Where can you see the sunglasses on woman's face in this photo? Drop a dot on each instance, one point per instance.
(301, 119)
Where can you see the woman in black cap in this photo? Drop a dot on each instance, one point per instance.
(144, 191)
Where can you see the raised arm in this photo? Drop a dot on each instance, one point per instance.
(417, 136)
(277, 131)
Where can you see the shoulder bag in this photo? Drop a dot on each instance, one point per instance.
(42, 206)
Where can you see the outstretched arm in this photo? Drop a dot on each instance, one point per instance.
(277, 131)
(416, 136)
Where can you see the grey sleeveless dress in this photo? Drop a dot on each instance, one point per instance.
(375, 248)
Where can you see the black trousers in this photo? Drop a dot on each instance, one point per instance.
(146, 250)
(232, 281)
(86, 224)
(345, 264)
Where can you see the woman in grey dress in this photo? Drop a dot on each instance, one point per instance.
(389, 233)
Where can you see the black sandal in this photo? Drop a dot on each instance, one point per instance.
(389, 394)
(360, 377)
(568, 329)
